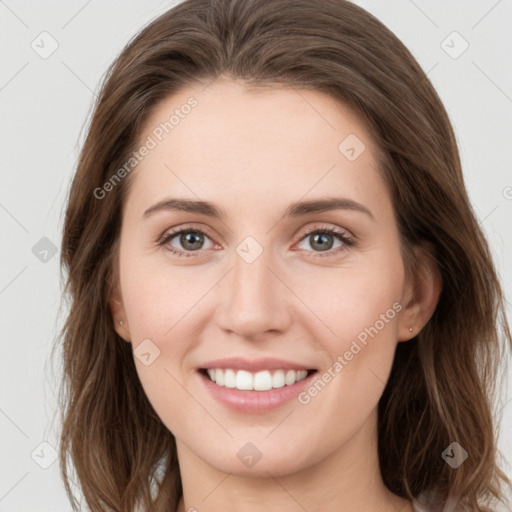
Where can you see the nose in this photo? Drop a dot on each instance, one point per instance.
(253, 298)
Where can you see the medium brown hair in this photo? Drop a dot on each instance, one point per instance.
(442, 385)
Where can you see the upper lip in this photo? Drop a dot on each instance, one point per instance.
(254, 365)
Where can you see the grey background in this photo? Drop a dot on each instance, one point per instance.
(45, 103)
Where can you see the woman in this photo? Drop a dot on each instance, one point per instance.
(280, 296)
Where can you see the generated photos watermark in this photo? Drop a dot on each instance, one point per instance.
(355, 348)
(152, 141)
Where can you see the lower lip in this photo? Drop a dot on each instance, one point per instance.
(255, 401)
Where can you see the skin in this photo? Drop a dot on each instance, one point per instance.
(252, 154)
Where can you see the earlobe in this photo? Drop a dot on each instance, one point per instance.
(423, 291)
(122, 330)
(117, 311)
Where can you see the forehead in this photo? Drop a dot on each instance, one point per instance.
(226, 141)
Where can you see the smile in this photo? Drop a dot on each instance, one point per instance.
(258, 381)
(254, 385)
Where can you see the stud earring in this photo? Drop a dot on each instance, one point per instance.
(410, 329)
(121, 322)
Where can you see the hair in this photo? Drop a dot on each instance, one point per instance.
(442, 386)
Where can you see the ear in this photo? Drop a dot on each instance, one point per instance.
(115, 302)
(421, 293)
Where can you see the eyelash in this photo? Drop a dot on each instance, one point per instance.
(347, 241)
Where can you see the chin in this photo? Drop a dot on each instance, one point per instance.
(258, 459)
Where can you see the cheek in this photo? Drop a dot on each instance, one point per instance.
(160, 300)
(162, 308)
(362, 308)
(360, 301)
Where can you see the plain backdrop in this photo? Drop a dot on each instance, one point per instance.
(45, 102)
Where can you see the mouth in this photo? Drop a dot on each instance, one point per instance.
(254, 386)
(265, 380)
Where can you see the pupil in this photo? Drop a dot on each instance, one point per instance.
(322, 246)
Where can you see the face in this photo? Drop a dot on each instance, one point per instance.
(269, 293)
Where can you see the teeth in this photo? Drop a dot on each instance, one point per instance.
(278, 379)
(262, 381)
(259, 381)
(244, 379)
(289, 378)
(229, 379)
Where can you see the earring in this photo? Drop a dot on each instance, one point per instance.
(410, 329)
(121, 322)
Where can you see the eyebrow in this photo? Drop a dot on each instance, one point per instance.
(297, 209)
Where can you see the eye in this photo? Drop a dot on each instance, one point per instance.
(322, 239)
(190, 239)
